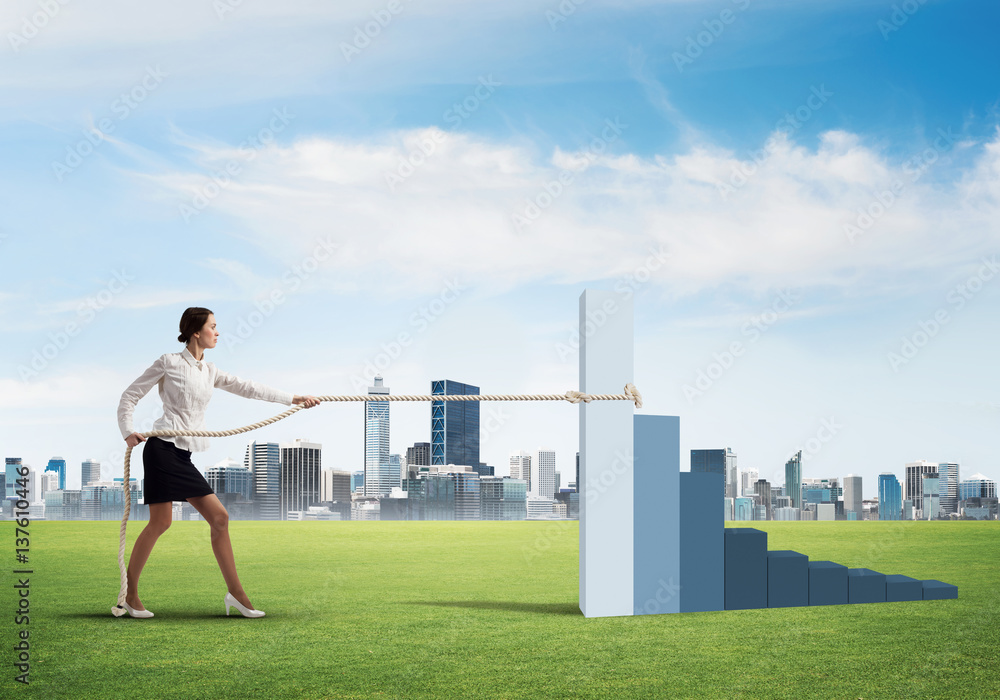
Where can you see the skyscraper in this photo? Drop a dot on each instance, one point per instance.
(377, 477)
(263, 459)
(931, 489)
(58, 465)
(11, 465)
(890, 497)
(852, 496)
(336, 486)
(301, 466)
(520, 467)
(395, 471)
(90, 471)
(418, 456)
(793, 479)
(455, 425)
(913, 480)
(748, 477)
(545, 484)
(229, 477)
(948, 478)
(763, 490)
(718, 462)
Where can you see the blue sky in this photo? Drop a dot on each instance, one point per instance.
(842, 154)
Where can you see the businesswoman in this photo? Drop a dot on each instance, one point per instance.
(185, 381)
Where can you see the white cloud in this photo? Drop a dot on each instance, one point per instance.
(782, 222)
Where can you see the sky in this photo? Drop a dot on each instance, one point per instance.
(799, 198)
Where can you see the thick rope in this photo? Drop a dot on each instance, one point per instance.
(631, 394)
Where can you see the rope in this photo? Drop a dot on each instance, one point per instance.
(631, 394)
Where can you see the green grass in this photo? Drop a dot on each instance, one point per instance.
(485, 610)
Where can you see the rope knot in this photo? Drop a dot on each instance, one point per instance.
(574, 396)
(633, 393)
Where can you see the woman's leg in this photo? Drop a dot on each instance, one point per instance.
(160, 516)
(215, 513)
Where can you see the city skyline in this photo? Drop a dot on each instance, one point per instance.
(801, 203)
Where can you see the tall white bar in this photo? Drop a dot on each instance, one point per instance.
(606, 454)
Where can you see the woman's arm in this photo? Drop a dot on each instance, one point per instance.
(250, 389)
(136, 390)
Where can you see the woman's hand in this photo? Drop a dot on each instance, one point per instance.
(306, 401)
(134, 439)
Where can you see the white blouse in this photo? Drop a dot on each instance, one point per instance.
(185, 388)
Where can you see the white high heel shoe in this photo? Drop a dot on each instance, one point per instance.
(245, 611)
(136, 613)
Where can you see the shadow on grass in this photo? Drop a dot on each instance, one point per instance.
(543, 608)
(178, 615)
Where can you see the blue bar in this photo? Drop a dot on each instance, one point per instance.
(937, 590)
(899, 588)
(865, 586)
(827, 583)
(746, 568)
(656, 519)
(702, 542)
(787, 579)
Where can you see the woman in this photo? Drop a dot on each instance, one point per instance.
(185, 382)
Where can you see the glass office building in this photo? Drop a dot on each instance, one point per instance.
(744, 508)
(378, 481)
(948, 485)
(718, 462)
(455, 425)
(12, 464)
(890, 497)
(263, 459)
(58, 465)
(301, 467)
(229, 479)
(503, 498)
(793, 479)
(931, 496)
(466, 495)
(977, 486)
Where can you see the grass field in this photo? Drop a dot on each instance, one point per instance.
(485, 610)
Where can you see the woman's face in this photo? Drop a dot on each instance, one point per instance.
(208, 336)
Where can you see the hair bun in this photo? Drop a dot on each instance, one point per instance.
(181, 338)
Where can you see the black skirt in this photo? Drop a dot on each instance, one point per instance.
(170, 474)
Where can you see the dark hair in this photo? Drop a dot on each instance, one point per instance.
(192, 320)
